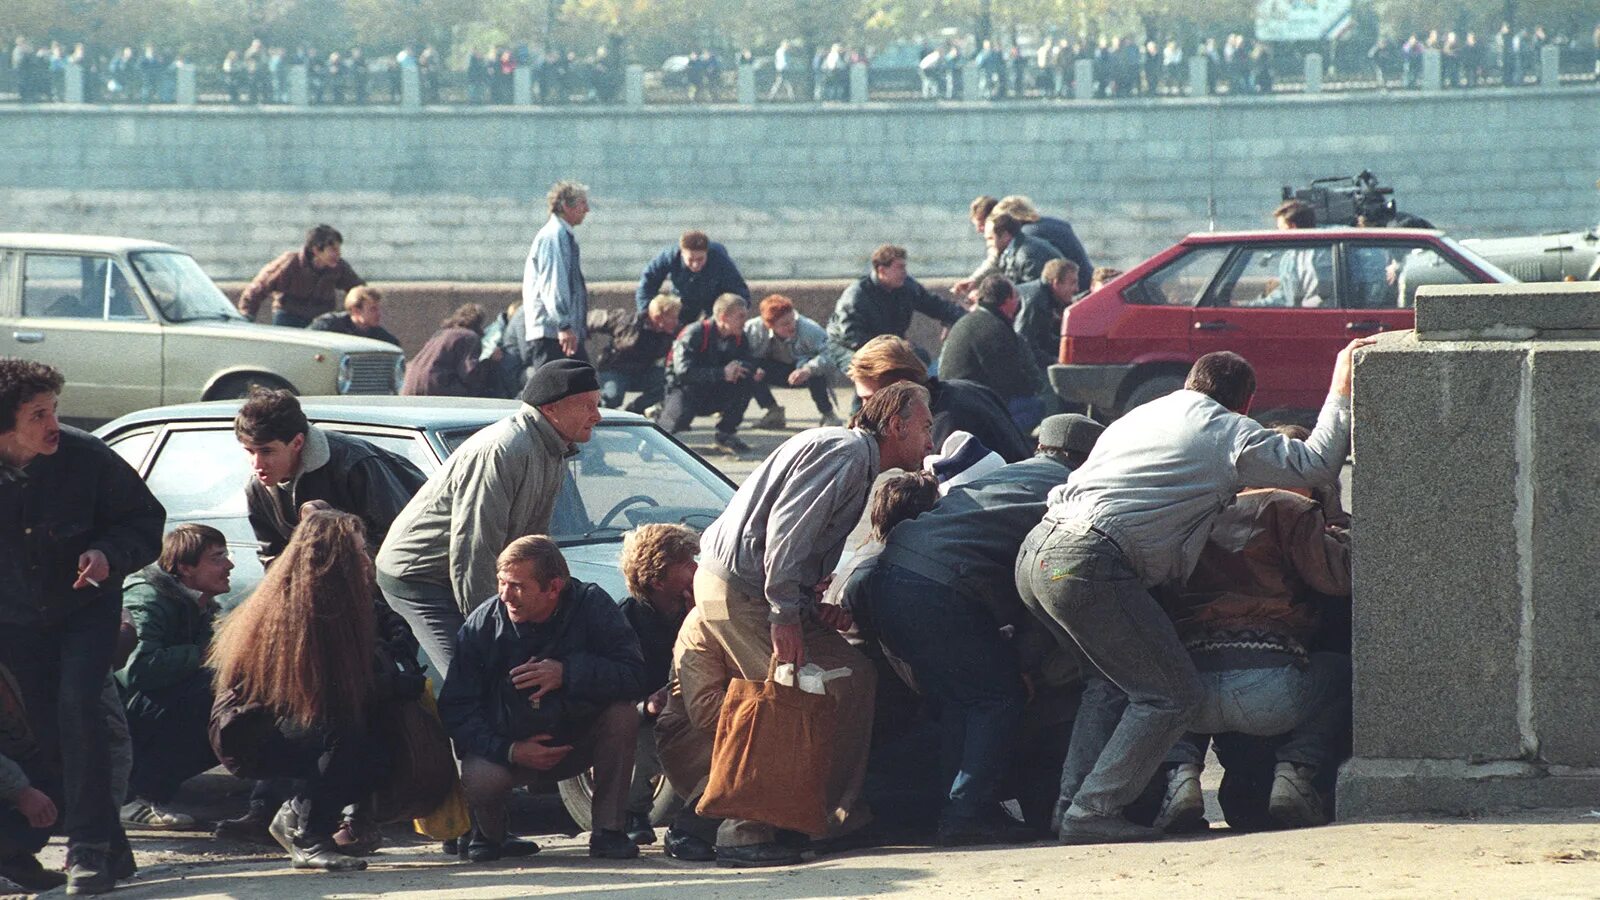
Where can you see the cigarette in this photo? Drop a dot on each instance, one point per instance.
(88, 579)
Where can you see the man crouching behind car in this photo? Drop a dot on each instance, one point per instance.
(543, 687)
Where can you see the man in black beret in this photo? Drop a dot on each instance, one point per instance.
(438, 561)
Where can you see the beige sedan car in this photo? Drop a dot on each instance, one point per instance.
(134, 324)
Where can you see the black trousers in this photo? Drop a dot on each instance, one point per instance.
(170, 744)
(331, 768)
(61, 669)
(778, 373)
(727, 399)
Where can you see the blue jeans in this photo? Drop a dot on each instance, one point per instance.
(1311, 706)
(960, 661)
(1143, 691)
(615, 383)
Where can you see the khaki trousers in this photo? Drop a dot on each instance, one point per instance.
(739, 623)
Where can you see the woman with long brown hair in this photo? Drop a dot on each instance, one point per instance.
(298, 669)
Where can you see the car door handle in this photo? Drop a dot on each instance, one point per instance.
(1367, 325)
(28, 337)
(1213, 325)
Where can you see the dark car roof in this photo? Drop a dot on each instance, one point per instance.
(400, 412)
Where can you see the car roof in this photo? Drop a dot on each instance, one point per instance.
(1308, 234)
(87, 243)
(402, 412)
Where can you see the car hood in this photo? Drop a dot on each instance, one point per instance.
(300, 337)
(597, 563)
(1528, 243)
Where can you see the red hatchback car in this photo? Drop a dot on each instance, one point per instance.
(1284, 300)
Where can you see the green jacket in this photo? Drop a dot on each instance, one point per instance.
(174, 630)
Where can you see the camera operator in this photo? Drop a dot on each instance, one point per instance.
(710, 371)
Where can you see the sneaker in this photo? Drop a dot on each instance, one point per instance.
(141, 813)
(773, 418)
(1183, 809)
(28, 875)
(252, 827)
(754, 856)
(639, 829)
(731, 443)
(1295, 801)
(89, 871)
(687, 847)
(609, 843)
(829, 420)
(1093, 829)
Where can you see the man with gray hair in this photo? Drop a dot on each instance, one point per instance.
(763, 565)
(553, 319)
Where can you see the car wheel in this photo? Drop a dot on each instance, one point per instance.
(1150, 388)
(237, 387)
(577, 794)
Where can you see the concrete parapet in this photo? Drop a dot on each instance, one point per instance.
(1432, 70)
(73, 83)
(747, 84)
(633, 85)
(1550, 65)
(299, 86)
(1199, 75)
(858, 83)
(410, 88)
(1313, 72)
(1083, 79)
(1476, 556)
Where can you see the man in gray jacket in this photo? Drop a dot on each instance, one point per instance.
(1133, 519)
(438, 561)
(763, 565)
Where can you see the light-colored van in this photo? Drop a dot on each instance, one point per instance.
(134, 324)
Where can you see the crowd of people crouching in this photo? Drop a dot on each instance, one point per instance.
(1061, 637)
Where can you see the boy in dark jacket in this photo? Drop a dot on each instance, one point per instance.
(543, 687)
(710, 371)
(632, 361)
(166, 684)
(75, 519)
(882, 303)
(295, 462)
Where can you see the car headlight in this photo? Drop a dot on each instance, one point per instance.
(347, 374)
(399, 373)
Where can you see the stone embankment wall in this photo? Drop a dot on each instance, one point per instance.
(800, 191)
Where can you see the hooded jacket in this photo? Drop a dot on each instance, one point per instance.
(351, 474)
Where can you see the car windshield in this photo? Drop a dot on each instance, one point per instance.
(181, 289)
(1489, 268)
